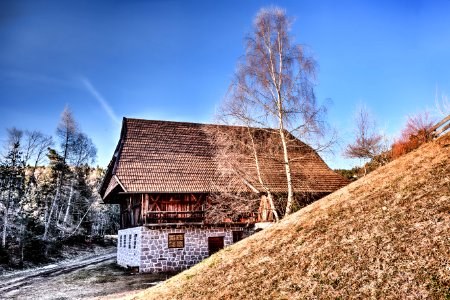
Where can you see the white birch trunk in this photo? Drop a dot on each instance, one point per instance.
(272, 206)
(69, 203)
(5, 216)
(258, 171)
(52, 208)
(286, 163)
(46, 210)
(5, 226)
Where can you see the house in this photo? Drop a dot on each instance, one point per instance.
(162, 174)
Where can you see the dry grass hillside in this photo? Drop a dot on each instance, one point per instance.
(386, 236)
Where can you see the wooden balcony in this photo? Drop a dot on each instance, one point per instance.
(171, 217)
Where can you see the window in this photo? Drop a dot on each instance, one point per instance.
(176, 240)
(129, 242)
(135, 241)
(124, 241)
(237, 236)
(120, 241)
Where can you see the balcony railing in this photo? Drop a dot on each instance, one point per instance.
(162, 217)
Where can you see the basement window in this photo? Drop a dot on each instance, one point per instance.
(176, 240)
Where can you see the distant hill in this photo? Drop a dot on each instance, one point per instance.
(386, 235)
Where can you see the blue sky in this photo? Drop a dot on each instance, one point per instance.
(173, 60)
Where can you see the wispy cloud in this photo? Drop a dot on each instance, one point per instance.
(36, 78)
(105, 105)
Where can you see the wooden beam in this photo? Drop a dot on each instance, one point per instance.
(440, 123)
(198, 201)
(438, 132)
(142, 208)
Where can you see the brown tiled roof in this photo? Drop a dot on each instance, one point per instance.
(179, 157)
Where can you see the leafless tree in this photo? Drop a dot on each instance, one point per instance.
(67, 132)
(84, 152)
(274, 87)
(367, 143)
(35, 147)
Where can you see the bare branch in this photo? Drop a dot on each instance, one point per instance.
(367, 143)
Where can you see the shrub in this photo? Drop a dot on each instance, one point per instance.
(415, 133)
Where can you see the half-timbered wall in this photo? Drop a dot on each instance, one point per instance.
(173, 202)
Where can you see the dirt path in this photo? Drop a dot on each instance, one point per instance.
(85, 278)
(15, 281)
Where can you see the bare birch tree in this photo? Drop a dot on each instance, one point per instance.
(275, 85)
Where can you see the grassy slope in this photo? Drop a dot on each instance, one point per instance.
(383, 236)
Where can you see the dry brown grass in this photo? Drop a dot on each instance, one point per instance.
(386, 236)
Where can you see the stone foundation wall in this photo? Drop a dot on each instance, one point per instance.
(156, 256)
(129, 247)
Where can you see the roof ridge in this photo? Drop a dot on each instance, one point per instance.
(195, 123)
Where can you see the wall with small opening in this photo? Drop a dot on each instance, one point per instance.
(129, 247)
(175, 249)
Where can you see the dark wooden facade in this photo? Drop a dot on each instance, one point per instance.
(152, 209)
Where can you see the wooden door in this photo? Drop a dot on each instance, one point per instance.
(237, 236)
(215, 244)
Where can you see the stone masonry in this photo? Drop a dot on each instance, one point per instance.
(152, 253)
